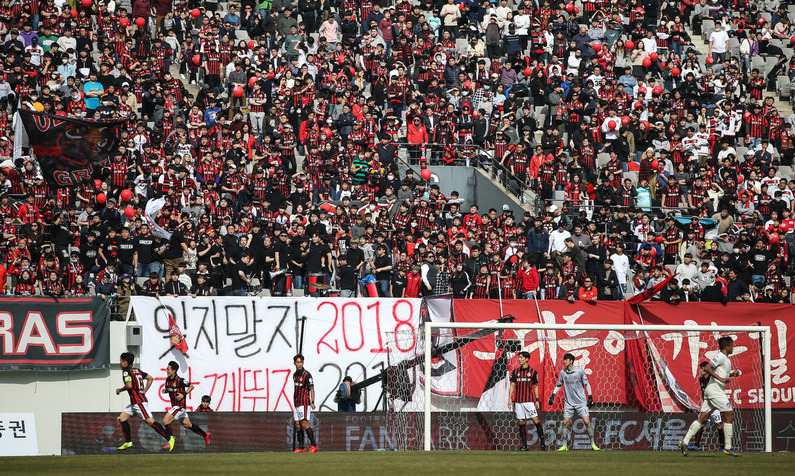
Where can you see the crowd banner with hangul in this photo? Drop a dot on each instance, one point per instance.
(239, 350)
(18, 434)
(654, 373)
(48, 334)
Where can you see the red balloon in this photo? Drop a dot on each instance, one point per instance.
(22, 210)
(527, 71)
(101, 198)
(792, 40)
(647, 62)
(124, 22)
(252, 81)
(655, 164)
(773, 239)
(761, 21)
(251, 44)
(653, 56)
(663, 66)
(659, 240)
(626, 120)
(611, 124)
(657, 90)
(629, 45)
(73, 13)
(675, 72)
(641, 90)
(86, 3)
(425, 174)
(140, 22)
(129, 211)
(195, 13)
(126, 194)
(638, 106)
(709, 60)
(97, 183)
(237, 91)
(597, 47)
(570, 8)
(196, 59)
(740, 179)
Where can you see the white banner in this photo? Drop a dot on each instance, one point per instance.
(18, 434)
(240, 349)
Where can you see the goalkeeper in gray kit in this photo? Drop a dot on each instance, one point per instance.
(577, 397)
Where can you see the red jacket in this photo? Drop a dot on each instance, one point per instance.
(527, 280)
(417, 134)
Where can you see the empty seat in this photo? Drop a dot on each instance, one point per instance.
(707, 27)
(783, 86)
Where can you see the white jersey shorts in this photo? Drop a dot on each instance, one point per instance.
(525, 410)
(303, 412)
(570, 411)
(138, 409)
(716, 401)
(178, 413)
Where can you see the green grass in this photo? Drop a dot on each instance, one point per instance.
(583, 463)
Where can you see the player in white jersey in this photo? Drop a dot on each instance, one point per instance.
(577, 398)
(715, 398)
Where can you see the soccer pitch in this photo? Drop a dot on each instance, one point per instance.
(404, 463)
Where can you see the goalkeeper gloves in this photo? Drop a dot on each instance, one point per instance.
(590, 401)
(551, 399)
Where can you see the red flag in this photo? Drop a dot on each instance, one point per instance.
(652, 291)
(175, 333)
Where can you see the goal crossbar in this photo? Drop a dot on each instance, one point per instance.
(764, 332)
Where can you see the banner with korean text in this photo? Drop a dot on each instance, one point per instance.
(240, 349)
(664, 366)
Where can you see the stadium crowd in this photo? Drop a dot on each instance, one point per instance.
(277, 132)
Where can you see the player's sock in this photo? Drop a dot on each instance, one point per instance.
(691, 432)
(161, 430)
(590, 432)
(728, 432)
(311, 434)
(540, 431)
(196, 429)
(125, 428)
(565, 435)
(522, 429)
(721, 437)
(301, 438)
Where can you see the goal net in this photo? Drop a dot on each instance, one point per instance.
(454, 394)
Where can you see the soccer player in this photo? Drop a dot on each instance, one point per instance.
(524, 394)
(204, 407)
(714, 417)
(303, 404)
(136, 383)
(577, 399)
(715, 398)
(178, 390)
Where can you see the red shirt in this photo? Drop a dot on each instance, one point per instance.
(136, 378)
(524, 379)
(302, 382)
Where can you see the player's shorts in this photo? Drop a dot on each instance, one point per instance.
(715, 418)
(570, 411)
(525, 410)
(302, 412)
(716, 401)
(178, 413)
(138, 409)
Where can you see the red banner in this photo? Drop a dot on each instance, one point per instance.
(654, 371)
(684, 354)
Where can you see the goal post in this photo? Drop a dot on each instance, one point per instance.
(755, 417)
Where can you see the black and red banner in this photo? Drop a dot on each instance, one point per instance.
(69, 149)
(46, 334)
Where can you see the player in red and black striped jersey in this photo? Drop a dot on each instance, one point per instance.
(303, 404)
(524, 395)
(136, 383)
(703, 380)
(178, 390)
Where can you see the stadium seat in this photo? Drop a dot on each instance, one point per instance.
(632, 176)
(783, 86)
(784, 171)
(241, 35)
